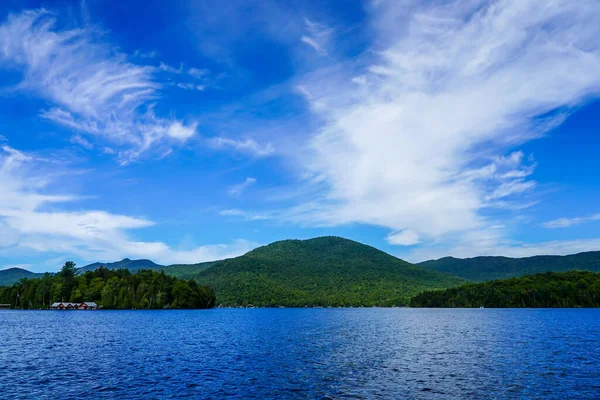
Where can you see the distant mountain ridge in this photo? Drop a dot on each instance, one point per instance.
(480, 269)
(126, 263)
(11, 275)
(336, 271)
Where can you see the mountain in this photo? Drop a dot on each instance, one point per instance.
(187, 271)
(181, 271)
(481, 269)
(12, 275)
(126, 263)
(551, 289)
(326, 271)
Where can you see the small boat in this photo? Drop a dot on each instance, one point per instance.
(481, 307)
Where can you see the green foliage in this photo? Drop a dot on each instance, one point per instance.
(328, 271)
(551, 289)
(187, 271)
(110, 289)
(482, 269)
(181, 271)
(68, 271)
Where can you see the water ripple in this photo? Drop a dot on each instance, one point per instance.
(301, 353)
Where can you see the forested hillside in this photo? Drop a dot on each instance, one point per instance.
(109, 288)
(327, 271)
(551, 289)
(187, 271)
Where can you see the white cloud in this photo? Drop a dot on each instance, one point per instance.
(197, 73)
(191, 86)
(141, 54)
(239, 188)
(418, 145)
(404, 238)
(194, 72)
(506, 249)
(170, 69)
(249, 146)
(93, 89)
(166, 154)
(246, 215)
(567, 222)
(204, 253)
(312, 43)
(83, 142)
(181, 132)
(28, 225)
(317, 36)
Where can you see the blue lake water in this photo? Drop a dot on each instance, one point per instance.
(301, 353)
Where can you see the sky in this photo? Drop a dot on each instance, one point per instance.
(189, 131)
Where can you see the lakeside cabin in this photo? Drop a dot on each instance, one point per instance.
(63, 305)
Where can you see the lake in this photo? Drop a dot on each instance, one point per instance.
(301, 353)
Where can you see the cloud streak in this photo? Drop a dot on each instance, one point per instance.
(422, 146)
(245, 215)
(94, 89)
(567, 222)
(247, 146)
(240, 188)
(508, 249)
(30, 221)
(317, 36)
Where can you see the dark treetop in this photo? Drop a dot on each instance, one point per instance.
(551, 289)
(110, 289)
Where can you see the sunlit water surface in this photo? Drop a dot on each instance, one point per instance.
(301, 353)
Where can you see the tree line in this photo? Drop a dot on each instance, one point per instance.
(110, 289)
(550, 289)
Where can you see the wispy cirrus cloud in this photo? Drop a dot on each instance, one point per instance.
(81, 141)
(567, 222)
(93, 88)
(198, 79)
(248, 146)
(420, 141)
(31, 221)
(246, 215)
(317, 36)
(239, 188)
(505, 248)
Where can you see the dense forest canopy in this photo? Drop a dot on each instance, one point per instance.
(325, 271)
(111, 289)
(550, 289)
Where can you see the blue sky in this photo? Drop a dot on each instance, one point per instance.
(188, 131)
